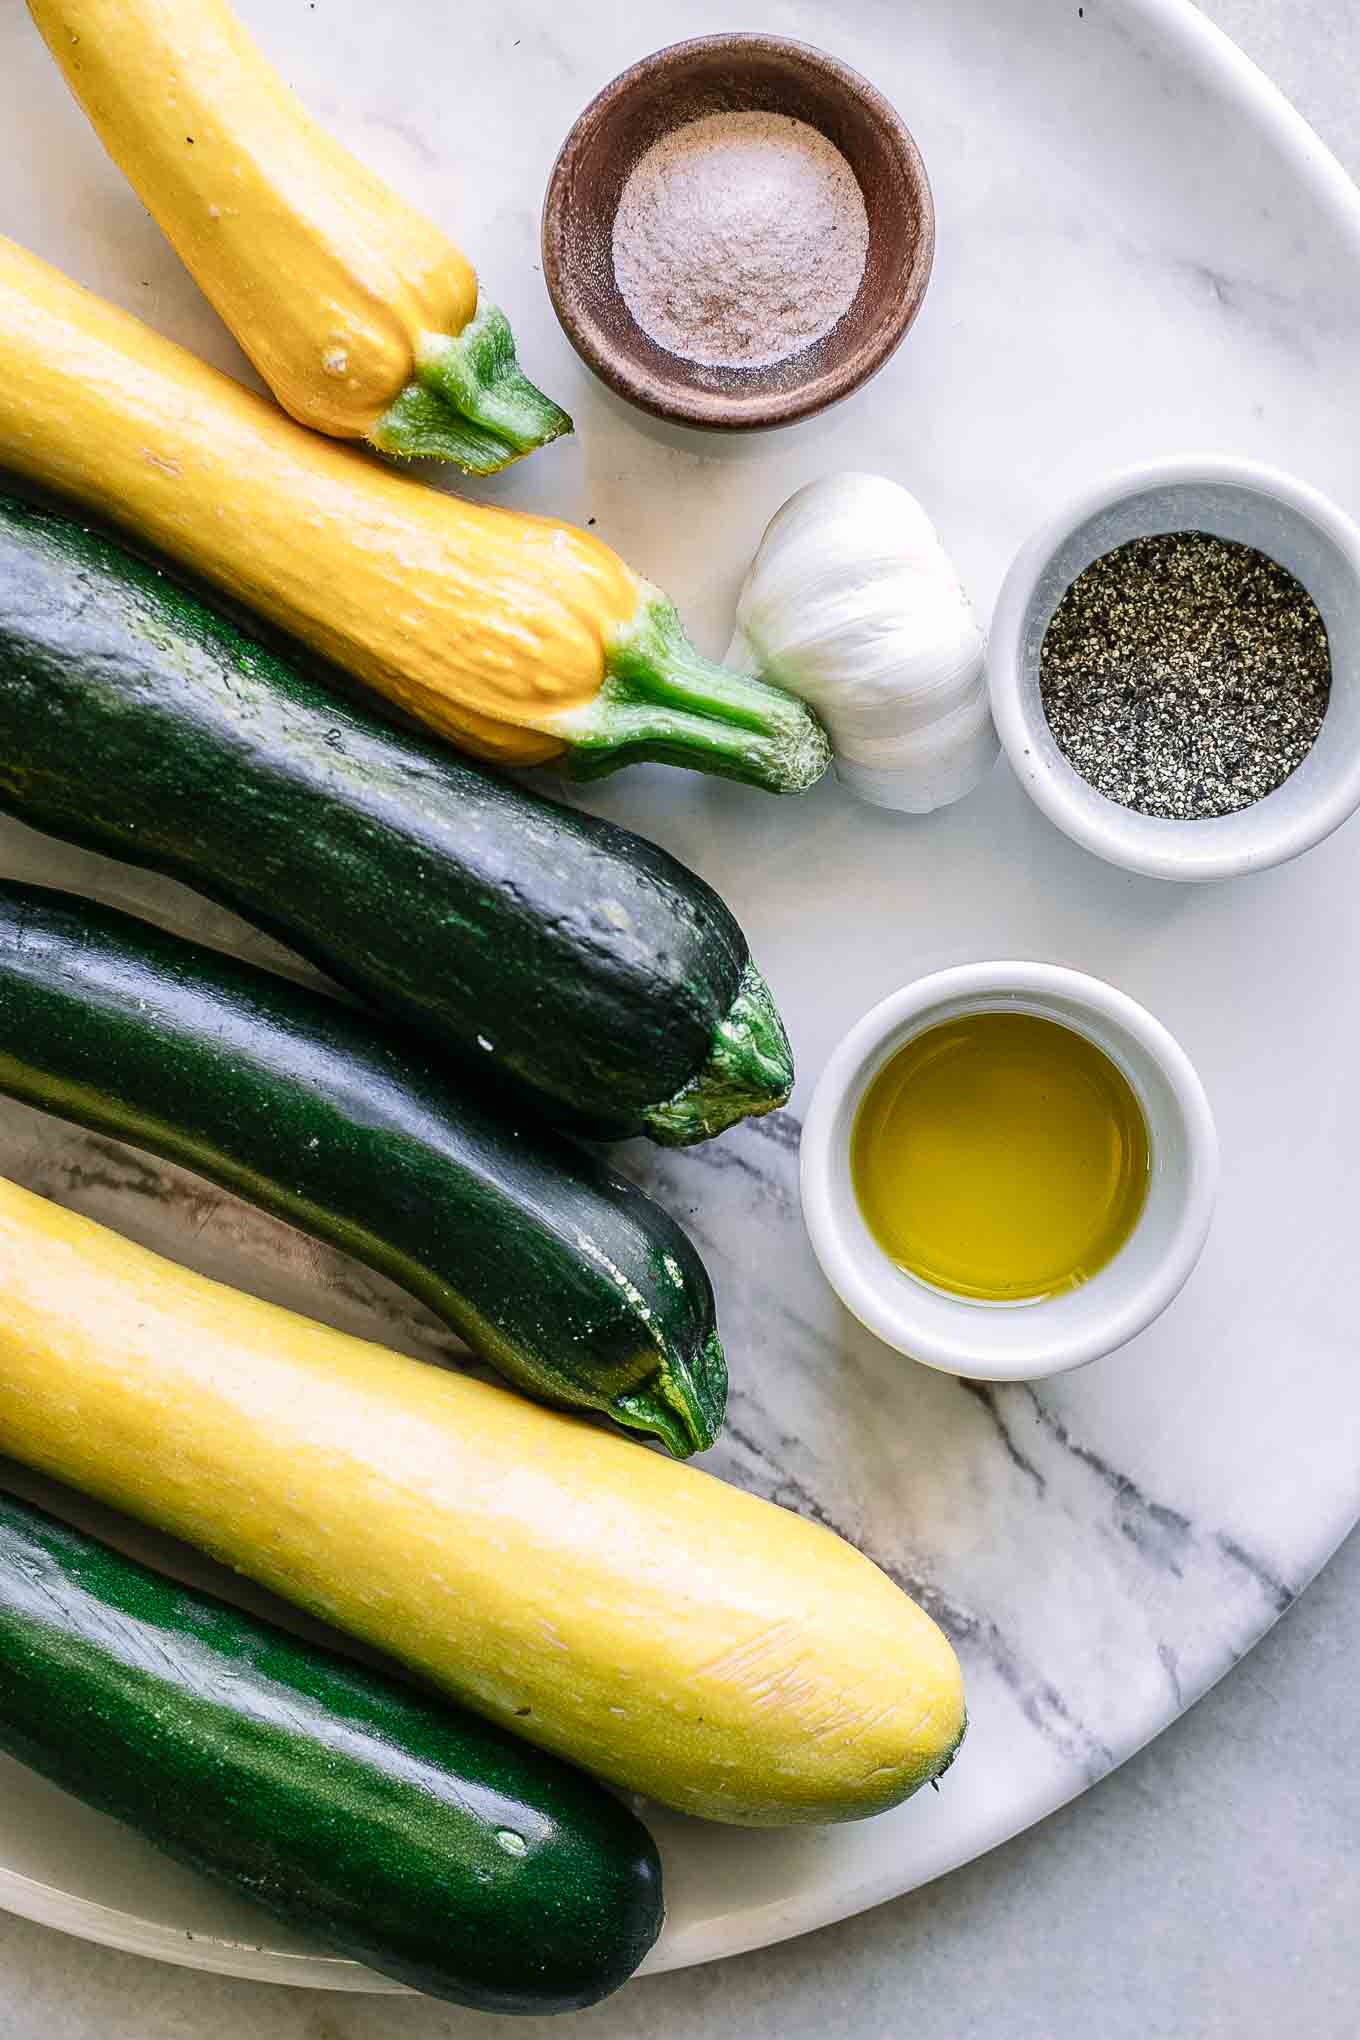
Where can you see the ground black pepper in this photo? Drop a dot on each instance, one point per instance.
(1185, 675)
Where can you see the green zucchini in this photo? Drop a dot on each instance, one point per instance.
(557, 1271)
(391, 1827)
(560, 955)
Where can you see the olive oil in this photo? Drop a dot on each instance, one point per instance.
(1000, 1156)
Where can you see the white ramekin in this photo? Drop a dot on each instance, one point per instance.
(1016, 1342)
(1236, 499)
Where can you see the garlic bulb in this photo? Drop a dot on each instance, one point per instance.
(853, 604)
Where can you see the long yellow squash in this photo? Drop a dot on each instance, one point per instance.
(520, 638)
(669, 1632)
(363, 318)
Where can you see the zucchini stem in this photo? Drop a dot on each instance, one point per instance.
(683, 1405)
(749, 1072)
(470, 402)
(661, 700)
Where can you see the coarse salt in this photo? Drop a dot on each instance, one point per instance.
(740, 239)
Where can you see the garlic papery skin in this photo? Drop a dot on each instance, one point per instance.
(853, 604)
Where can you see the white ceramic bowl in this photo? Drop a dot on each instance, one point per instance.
(1235, 499)
(1016, 1342)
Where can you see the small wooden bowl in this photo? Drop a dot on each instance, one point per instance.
(735, 74)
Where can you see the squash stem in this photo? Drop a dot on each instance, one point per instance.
(749, 1072)
(470, 402)
(683, 1405)
(661, 700)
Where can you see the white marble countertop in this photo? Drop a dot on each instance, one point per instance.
(1207, 1889)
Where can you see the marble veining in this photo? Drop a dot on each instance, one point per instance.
(1059, 1472)
(1135, 255)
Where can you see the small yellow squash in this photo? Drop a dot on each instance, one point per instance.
(669, 1632)
(362, 317)
(520, 638)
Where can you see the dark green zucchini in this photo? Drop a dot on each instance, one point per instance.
(549, 948)
(563, 1276)
(391, 1827)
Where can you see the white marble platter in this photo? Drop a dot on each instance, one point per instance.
(1141, 249)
